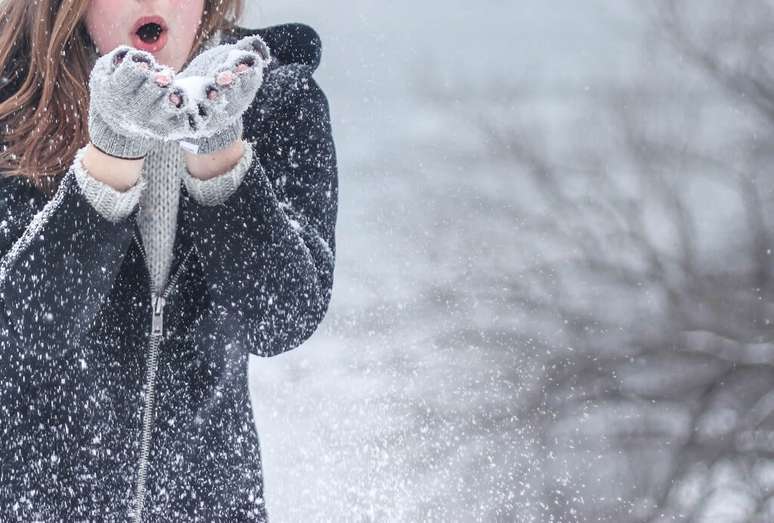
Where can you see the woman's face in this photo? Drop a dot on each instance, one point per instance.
(115, 22)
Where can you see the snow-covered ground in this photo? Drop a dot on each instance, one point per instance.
(412, 400)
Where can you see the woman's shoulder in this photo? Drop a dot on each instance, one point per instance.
(20, 199)
(288, 84)
(290, 43)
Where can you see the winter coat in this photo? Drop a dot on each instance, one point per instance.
(118, 405)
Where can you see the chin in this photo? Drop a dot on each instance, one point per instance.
(164, 59)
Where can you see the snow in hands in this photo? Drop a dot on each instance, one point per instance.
(209, 95)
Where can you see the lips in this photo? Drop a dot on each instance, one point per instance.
(149, 45)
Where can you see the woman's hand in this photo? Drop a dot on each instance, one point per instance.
(133, 103)
(220, 84)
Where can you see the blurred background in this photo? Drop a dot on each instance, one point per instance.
(553, 290)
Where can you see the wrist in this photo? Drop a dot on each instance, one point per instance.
(120, 174)
(206, 166)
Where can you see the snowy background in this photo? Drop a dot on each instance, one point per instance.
(554, 274)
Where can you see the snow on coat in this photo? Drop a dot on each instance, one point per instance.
(251, 276)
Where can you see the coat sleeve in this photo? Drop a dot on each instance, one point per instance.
(58, 260)
(268, 251)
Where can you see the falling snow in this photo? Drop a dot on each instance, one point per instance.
(124, 358)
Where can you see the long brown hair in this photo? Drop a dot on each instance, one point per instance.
(46, 56)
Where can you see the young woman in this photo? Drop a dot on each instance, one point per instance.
(167, 207)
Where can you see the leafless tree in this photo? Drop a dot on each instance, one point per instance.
(644, 267)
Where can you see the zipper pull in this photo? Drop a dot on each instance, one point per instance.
(157, 322)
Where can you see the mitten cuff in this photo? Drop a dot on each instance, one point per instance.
(114, 144)
(218, 189)
(114, 205)
(221, 139)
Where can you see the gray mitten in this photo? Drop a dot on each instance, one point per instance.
(132, 103)
(219, 85)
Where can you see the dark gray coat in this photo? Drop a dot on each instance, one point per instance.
(98, 415)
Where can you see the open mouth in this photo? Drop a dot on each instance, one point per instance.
(150, 33)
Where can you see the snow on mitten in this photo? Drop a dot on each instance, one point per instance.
(131, 104)
(221, 83)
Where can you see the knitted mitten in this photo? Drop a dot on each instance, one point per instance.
(132, 103)
(220, 84)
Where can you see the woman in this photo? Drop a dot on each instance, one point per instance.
(139, 271)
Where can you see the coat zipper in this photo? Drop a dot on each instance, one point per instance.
(156, 335)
